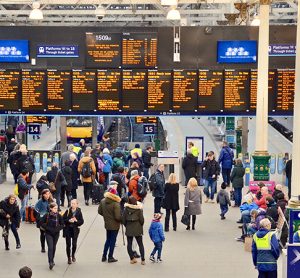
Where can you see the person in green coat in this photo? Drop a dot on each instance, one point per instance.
(237, 179)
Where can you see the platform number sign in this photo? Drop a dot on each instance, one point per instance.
(149, 129)
(34, 129)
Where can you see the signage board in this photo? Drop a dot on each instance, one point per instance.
(57, 51)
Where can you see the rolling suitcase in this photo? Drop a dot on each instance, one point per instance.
(97, 193)
(30, 215)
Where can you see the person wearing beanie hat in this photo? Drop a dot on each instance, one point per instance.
(133, 185)
(113, 184)
(157, 236)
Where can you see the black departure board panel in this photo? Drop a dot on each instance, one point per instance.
(271, 89)
(103, 50)
(9, 89)
(84, 90)
(139, 50)
(285, 89)
(134, 90)
(109, 85)
(210, 90)
(33, 90)
(185, 90)
(58, 90)
(236, 90)
(159, 90)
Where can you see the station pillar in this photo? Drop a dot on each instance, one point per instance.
(63, 134)
(94, 131)
(261, 156)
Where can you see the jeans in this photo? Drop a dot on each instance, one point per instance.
(24, 203)
(42, 239)
(51, 242)
(71, 241)
(139, 240)
(157, 248)
(267, 274)
(224, 209)
(167, 219)
(226, 175)
(111, 238)
(246, 218)
(157, 204)
(87, 189)
(62, 196)
(238, 196)
(212, 184)
(146, 172)
(57, 194)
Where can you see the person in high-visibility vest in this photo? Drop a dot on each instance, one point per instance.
(296, 237)
(265, 250)
(194, 149)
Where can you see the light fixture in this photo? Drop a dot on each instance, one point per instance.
(173, 14)
(36, 13)
(255, 21)
(100, 12)
(169, 2)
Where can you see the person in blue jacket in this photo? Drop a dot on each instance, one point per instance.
(156, 234)
(265, 251)
(296, 237)
(226, 161)
(108, 163)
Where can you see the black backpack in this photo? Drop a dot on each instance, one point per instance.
(27, 165)
(152, 182)
(86, 171)
(142, 188)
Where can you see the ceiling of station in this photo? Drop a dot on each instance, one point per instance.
(143, 12)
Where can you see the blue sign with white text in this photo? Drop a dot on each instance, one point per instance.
(14, 51)
(282, 50)
(34, 129)
(293, 261)
(149, 129)
(57, 51)
(237, 52)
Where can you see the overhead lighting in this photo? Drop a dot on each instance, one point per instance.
(255, 21)
(100, 12)
(173, 14)
(169, 2)
(36, 13)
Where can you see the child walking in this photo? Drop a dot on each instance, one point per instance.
(156, 234)
(223, 200)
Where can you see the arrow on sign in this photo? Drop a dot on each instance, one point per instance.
(297, 259)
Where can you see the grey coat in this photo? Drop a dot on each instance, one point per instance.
(193, 201)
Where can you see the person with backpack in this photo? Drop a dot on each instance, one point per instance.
(119, 177)
(66, 190)
(25, 163)
(13, 162)
(41, 185)
(108, 163)
(146, 157)
(226, 159)
(118, 161)
(133, 185)
(159, 188)
(133, 166)
(87, 170)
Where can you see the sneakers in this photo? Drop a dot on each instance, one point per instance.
(239, 239)
(103, 259)
(18, 246)
(112, 260)
(240, 221)
(43, 250)
(143, 262)
(152, 259)
(159, 260)
(51, 265)
(133, 261)
(223, 217)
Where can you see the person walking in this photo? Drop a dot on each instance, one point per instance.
(67, 189)
(265, 251)
(189, 165)
(171, 201)
(223, 200)
(42, 184)
(192, 201)
(157, 236)
(211, 171)
(159, 188)
(133, 220)
(133, 185)
(133, 166)
(110, 209)
(25, 163)
(108, 163)
(73, 219)
(75, 175)
(23, 190)
(226, 161)
(147, 164)
(87, 170)
(237, 179)
(52, 223)
(10, 219)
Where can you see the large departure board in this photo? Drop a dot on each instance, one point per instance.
(33, 90)
(185, 90)
(103, 50)
(271, 89)
(9, 89)
(236, 90)
(84, 90)
(285, 89)
(210, 97)
(58, 90)
(139, 50)
(159, 90)
(109, 85)
(134, 90)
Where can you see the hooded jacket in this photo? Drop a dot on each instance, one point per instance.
(237, 176)
(226, 158)
(159, 190)
(109, 208)
(12, 210)
(133, 187)
(108, 163)
(223, 198)
(23, 187)
(83, 160)
(156, 232)
(133, 219)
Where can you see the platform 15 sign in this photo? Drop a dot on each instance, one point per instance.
(149, 129)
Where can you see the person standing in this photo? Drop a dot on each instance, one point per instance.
(110, 209)
(223, 200)
(10, 219)
(265, 250)
(67, 155)
(237, 179)
(75, 175)
(146, 157)
(157, 236)
(133, 185)
(73, 219)
(87, 170)
(11, 146)
(25, 163)
(159, 188)
(52, 223)
(133, 220)
(67, 189)
(226, 161)
(23, 189)
(288, 171)
(171, 201)
(189, 165)
(108, 163)
(192, 201)
(211, 171)
(193, 149)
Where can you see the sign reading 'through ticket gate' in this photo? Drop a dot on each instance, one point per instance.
(282, 50)
(57, 51)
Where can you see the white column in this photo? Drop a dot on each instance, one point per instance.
(262, 81)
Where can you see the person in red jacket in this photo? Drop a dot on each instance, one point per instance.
(133, 185)
(262, 202)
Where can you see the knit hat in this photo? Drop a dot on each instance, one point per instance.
(157, 216)
(112, 184)
(112, 191)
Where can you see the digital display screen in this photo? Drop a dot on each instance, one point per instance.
(134, 90)
(103, 50)
(84, 90)
(146, 120)
(33, 90)
(285, 89)
(36, 120)
(15, 51)
(185, 89)
(109, 85)
(58, 90)
(159, 90)
(210, 97)
(139, 50)
(9, 89)
(237, 52)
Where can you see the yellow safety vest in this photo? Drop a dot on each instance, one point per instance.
(136, 150)
(263, 243)
(76, 149)
(195, 151)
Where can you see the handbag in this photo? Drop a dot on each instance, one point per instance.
(185, 219)
(52, 186)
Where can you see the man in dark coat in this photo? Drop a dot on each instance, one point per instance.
(159, 189)
(226, 161)
(146, 157)
(189, 165)
(288, 171)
